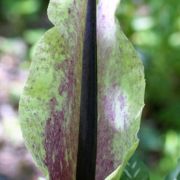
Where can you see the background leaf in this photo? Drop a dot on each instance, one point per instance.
(175, 174)
(135, 170)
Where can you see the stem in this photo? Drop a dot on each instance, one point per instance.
(86, 160)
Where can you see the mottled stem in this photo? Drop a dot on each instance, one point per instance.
(86, 163)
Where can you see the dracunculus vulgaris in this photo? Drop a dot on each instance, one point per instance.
(81, 106)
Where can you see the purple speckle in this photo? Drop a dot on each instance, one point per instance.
(55, 147)
(112, 105)
(67, 84)
(60, 144)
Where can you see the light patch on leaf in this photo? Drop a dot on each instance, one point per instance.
(106, 19)
(116, 106)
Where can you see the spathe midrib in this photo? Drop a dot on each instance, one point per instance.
(86, 160)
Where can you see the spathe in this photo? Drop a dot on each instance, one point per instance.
(50, 104)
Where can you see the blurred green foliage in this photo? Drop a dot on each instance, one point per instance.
(17, 16)
(175, 174)
(153, 26)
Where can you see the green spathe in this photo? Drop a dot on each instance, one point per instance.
(55, 77)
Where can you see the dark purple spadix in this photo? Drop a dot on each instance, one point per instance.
(86, 162)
